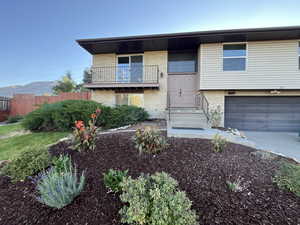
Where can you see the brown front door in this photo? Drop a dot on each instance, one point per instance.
(182, 90)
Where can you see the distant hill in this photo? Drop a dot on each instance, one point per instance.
(37, 88)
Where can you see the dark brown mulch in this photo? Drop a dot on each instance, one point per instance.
(200, 172)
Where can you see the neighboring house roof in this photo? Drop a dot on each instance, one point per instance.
(188, 40)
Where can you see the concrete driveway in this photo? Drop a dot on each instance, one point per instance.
(287, 144)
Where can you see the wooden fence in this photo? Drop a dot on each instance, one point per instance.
(22, 104)
(4, 108)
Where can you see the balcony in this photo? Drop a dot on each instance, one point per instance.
(112, 77)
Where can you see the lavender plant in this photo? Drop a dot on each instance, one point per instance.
(58, 189)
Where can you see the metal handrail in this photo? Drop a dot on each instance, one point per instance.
(202, 103)
(125, 74)
(169, 105)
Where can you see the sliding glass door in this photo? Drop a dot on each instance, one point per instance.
(130, 69)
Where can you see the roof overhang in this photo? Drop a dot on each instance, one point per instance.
(190, 40)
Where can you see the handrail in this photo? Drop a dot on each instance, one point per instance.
(202, 102)
(169, 105)
(125, 74)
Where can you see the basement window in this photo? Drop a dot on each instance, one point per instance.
(234, 57)
(135, 99)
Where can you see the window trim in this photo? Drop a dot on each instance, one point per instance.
(235, 57)
(129, 56)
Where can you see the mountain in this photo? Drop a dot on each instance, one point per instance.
(37, 88)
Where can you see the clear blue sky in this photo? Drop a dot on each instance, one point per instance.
(37, 37)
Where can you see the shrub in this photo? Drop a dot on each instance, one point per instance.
(27, 163)
(288, 178)
(155, 200)
(149, 140)
(14, 119)
(113, 178)
(237, 185)
(57, 190)
(125, 115)
(85, 136)
(60, 116)
(61, 163)
(215, 116)
(219, 143)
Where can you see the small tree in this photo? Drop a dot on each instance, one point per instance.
(87, 76)
(66, 84)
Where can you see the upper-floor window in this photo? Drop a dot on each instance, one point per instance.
(234, 57)
(182, 61)
(299, 54)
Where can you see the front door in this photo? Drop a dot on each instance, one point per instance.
(182, 90)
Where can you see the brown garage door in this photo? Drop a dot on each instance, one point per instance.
(263, 113)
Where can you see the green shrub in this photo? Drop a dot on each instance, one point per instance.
(149, 140)
(125, 115)
(288, 178)
(238, 185)
(60, 116)
(14, 119)
(27, 163)
(61, 163)
(155, 200)
(113, 178)
(215, 116)
(219, 143)
(57, 190)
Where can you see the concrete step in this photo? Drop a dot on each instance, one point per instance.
(185, 110)
(187, 117)
(189, 125)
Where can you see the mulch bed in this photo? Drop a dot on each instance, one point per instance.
(199, 171)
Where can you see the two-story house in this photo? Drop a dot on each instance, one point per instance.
(252, 74)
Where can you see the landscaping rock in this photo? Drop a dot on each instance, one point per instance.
(264, 155)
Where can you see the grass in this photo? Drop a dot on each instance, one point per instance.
(6, 129)
(10, 147)
(288, 178)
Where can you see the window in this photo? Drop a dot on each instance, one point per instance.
(299, 55)
(130, 99)
(182, 61)
(130, 69)
(234, 57)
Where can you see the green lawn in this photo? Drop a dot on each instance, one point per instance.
(6, 129)
(9, 147)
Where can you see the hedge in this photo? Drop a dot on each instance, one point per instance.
(60, 116)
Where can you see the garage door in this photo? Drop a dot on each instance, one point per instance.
(263, 113)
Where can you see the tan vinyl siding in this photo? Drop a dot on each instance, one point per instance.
(269, 65)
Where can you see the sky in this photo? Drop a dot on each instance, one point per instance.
(37, 37)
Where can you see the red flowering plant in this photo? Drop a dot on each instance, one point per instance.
(85, 136)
